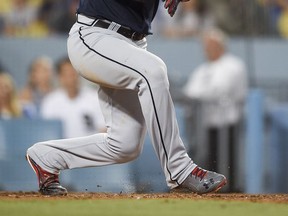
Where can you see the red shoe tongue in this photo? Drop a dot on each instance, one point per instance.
(199, 172)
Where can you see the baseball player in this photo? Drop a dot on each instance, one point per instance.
(107, 45)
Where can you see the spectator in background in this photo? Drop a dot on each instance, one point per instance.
(75, 105)
(283, 18)
(39, 84)
(220, 85)
(19, 18)
(273, 11)
(9, 104)
(191, 18)
(40, 26)
(28, 18)
(224, 14)
(278, 15)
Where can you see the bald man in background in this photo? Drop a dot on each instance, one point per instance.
(220, 86)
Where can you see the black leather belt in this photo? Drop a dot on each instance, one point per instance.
(125, 31)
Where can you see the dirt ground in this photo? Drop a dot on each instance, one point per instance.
(260, 198)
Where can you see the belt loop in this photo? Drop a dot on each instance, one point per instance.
(114, 26)
(94, 22)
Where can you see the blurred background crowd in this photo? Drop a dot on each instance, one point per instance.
(221, 117)
(41, 18)
(36, 18)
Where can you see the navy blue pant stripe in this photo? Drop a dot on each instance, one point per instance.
(152, 98)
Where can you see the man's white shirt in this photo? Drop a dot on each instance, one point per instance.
(221, 86)
(80, 116)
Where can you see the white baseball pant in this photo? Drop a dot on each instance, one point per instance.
(133, 95)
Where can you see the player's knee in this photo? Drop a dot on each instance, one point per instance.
(34, 147)
(128, 153)
(33, 150)
(30, 149)
(158, 75)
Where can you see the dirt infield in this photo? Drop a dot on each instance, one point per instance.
(260, 198)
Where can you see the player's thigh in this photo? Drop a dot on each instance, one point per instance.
(123, 116)
(113, 61)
